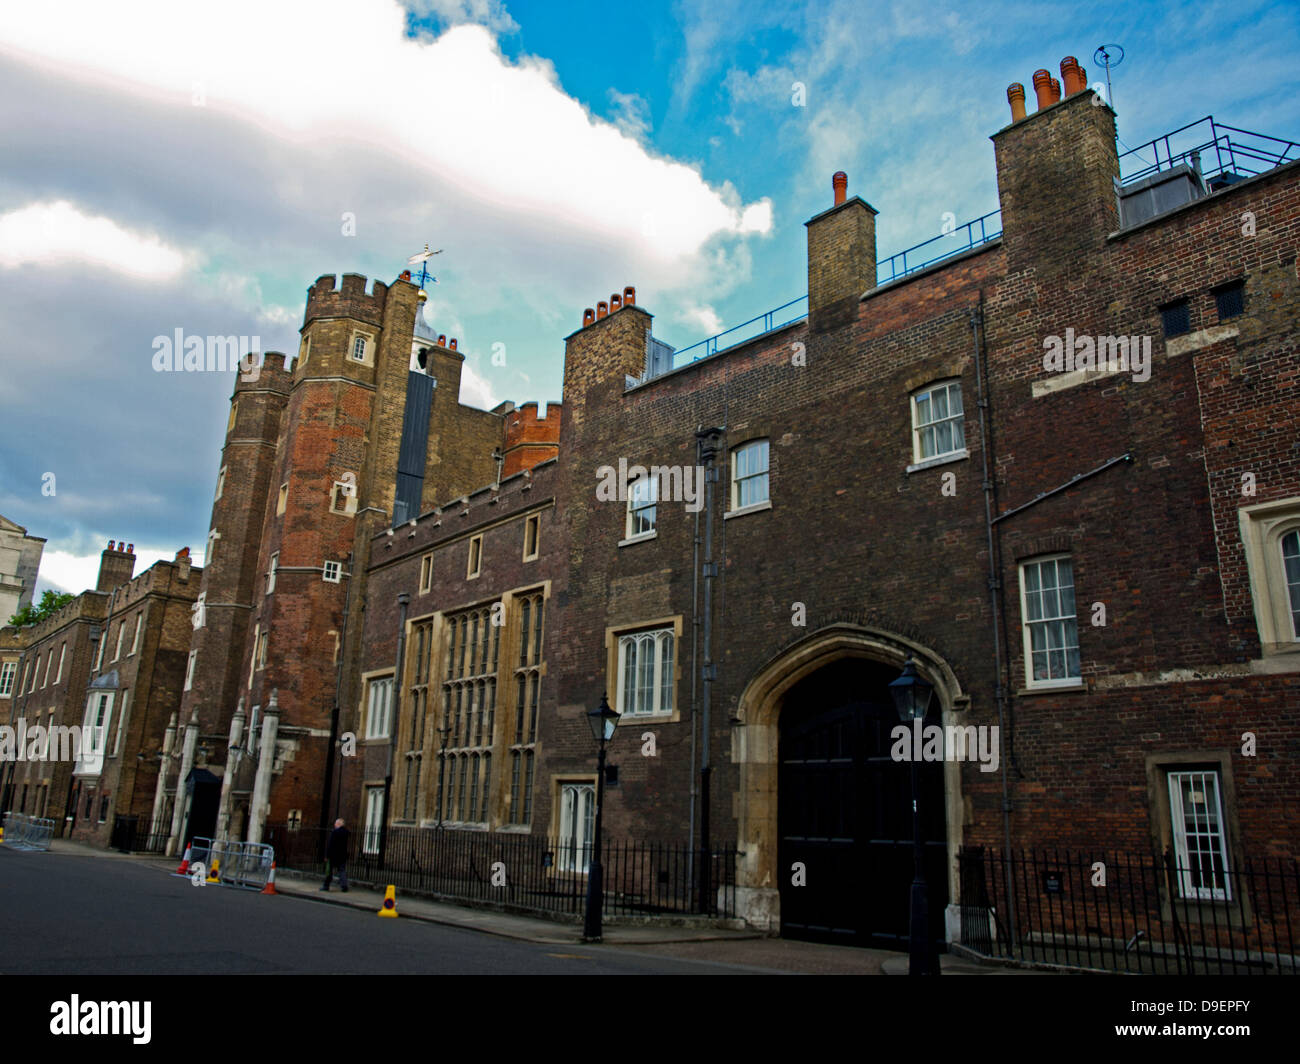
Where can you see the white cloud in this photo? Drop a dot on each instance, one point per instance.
(631, 113)
(704, 319)
(75, 573)
(45, 234)
(476, 390)
(489, 13)
(504, 133)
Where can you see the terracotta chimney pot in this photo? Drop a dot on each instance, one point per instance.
(588, 316)
(602, 310)
(1016, 97)
(629, 296)
(840, 183)
(1056, 91)
(1043, 87)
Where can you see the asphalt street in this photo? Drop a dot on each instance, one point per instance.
(62, 914)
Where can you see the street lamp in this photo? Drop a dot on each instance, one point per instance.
(911, 693)
(444, 730)
(603, 721)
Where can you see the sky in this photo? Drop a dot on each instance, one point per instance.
(194, 166)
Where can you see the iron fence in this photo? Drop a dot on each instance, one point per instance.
(1135, 913)
(132, 834)
(527, 872)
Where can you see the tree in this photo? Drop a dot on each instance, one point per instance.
(51, 602)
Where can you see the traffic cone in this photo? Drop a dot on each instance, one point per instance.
(390, 902)
(212, 875)
(270, 882)
(184, 869)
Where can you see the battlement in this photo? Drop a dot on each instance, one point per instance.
(530, 439)
(269, 371)
(325, 300)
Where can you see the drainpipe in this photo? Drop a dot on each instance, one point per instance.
(995, 597)
(325, 819)
(394, 716)
(707, 442)
(695, 705)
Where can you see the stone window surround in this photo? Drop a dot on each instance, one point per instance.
(1262, 527)
(613, 678)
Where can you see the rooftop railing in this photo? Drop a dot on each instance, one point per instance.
(1210, 147)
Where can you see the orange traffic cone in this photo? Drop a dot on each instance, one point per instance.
(184, 869)
(390, 902)
(270, 882)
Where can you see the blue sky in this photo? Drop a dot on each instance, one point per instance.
(188, 166)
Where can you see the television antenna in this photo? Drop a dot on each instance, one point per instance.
(1108, 55)
(422, 260)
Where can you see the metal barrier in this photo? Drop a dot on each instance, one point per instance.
(24, 832)
(242, 864)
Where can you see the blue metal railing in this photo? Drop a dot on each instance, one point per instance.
(1228, 150)
(953, 242)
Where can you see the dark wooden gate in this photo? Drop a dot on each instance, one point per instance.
(845, 814)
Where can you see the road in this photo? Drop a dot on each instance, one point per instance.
(62, 915)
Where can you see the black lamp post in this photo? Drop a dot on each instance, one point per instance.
(444, 730)
(911, 693)
(603, 721)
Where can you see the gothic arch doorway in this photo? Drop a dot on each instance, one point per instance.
(812, 748)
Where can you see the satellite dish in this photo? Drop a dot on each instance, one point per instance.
(1109, 55)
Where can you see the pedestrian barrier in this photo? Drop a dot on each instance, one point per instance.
(241, 864)
(199, 851)
(22, 832)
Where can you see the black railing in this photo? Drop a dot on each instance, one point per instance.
(1219, 150)
(525, 872)
(1136, 913)
(134, 834)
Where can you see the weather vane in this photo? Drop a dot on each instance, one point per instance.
(423, 260)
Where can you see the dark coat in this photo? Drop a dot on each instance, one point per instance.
(336, 850)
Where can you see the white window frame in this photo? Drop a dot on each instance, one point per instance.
(135, 639)
(189, 670)
(7, 673)
(642, 497)
(221, 483)
(740, 481)
(252, 663)
(121, 631)
(94, 728)
(379, 707)
(474, 564)
(234, 413)
(426, 573)
(1210, 826)
(99, 653)
(919, 426)
(364, 342)
(658, 640)
(270, 572)
(332, 567)
(577, 807)
(63, 653)
(1291, 587)
(213, 536)
(121, 718)
(304, 351)
(373, 824)
(263, 648)
(1067, 619)
(49, 664)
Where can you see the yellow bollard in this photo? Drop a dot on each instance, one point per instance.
(390, 902)
(212, 875)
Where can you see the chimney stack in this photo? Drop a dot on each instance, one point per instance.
(602, 310)
(183, 564)
(116, 566)
(588, 317)
(615, 302)
(629, 296)
(841, 258)
(1072, 76)
(1043, 88)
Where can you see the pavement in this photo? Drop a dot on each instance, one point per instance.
(699, 942)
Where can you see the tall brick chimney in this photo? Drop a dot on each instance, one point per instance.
(841, 258)
(1057, 170)
(116, 565)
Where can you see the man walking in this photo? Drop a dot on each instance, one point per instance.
(336, 853)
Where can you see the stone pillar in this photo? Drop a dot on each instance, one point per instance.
(233, 754)
(187, 763)
(164, 771)
(265, 763)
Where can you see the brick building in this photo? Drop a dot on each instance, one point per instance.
(108, 664)
(1101, 561)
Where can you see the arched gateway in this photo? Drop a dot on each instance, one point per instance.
(818, 786)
